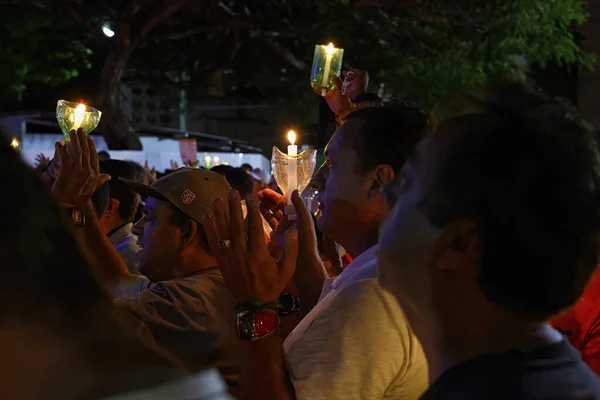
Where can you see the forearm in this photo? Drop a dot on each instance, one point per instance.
(309, 279)
(108, 264)
(264, 374)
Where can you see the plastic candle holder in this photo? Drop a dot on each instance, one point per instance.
(72, 116)
(327, 62)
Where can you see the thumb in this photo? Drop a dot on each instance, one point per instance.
(338, 83)
(287, 262)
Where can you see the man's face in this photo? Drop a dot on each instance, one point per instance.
(407, 238)
(343, 191)
(160, 241)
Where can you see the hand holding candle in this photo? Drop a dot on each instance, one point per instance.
(72, 116)
(292, 171)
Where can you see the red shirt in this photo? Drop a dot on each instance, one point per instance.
(581, 324)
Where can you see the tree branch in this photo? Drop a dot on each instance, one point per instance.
(285, 53)
(234, 23)
(410, 6)
(158, 15)
(80, 17)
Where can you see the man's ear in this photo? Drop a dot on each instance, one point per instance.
(190, 232)
(460, 246)
(380, 177)
(113, 207)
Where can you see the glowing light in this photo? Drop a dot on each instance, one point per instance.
(291, 137)
(329, 49)
(107, 31)
(79, 112)
(15, 143)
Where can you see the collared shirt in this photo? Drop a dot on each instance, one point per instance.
(194, 319)
(356, 343)
(206, 385)
(125, 242)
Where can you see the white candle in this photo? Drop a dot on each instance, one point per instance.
(79, 111)
(329, 51)
(292, 167)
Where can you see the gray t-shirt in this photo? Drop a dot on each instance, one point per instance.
(194, 319)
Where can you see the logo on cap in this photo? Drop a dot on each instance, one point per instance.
(187, 196)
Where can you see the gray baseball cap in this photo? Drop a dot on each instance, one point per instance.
(190, 190)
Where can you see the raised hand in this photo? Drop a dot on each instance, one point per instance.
(79, 174)
(41, 161)
(337, 101)
(248, 268)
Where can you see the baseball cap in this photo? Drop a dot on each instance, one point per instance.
(190, 190)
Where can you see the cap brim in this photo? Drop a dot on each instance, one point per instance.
(142, 189)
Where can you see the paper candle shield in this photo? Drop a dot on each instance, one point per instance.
(326, 63)
(306, 162)
(71, 115)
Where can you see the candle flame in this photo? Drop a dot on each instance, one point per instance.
(329, 49)
(79, 111)
(14, 143)
(292, 137)
(207, 158)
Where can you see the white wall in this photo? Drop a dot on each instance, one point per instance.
(158, 153)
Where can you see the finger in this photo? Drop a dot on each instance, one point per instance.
(268, 216)
(237, 229)
(220, 219)
(214, 242)
(75, 149)
(287, 263)
(63, 158)
(304, 222)
(85, 149)
(102, 179)
(271, 199)
(338, 84)
(93, 156)
(256, 236)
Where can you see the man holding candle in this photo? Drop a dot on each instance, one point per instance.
(354, 342)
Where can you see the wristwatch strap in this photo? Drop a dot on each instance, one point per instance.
(290, 304)
(256, 325)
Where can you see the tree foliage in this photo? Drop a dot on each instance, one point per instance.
(262, 50)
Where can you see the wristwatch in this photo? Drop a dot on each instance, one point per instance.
(76, 215)
(290, 304)
(256, 325)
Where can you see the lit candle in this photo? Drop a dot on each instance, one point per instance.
(79, 113)
(216, 160)
(329, 51)
(292, 173)
(15, 143)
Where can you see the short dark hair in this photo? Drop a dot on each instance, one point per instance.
(237, 178)
(527, 171)
(125, 195)
(180, 219)
(246, 167)
(100, 199)
(103, 155)
(390, 132)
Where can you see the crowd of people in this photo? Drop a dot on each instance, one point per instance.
(446, 260)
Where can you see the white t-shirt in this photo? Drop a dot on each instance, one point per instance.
(356, 342)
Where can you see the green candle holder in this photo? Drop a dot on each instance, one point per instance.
(326, 63)
(72, 116)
